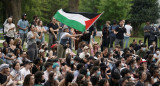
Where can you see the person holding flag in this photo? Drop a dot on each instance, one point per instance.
(61, 50)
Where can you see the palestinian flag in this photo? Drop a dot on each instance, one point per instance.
(78, 21)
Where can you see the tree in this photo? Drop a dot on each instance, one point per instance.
(142, 11)
(89, 6)
(73, 5)
(12, 8)
(115, 9)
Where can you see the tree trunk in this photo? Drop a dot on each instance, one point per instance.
(136, 29)
(73, 5)
(12, 8)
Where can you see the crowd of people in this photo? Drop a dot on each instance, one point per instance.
(73, 58)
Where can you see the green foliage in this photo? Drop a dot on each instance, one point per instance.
(115, 9)
(44, 9)
(144, 10)
(89, 6)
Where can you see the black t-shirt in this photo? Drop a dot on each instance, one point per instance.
(34, 69)
(140, 84)
(54, 26)
(121, 31)
(3, 78)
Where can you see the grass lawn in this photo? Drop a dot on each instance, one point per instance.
(97, 39)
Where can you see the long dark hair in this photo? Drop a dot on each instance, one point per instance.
(27, 80)
(51, 79)
(69, 77)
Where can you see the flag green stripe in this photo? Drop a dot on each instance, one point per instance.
(72, 23)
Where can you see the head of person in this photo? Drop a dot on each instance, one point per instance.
(142, 75)
(35, 17)
(69, 77)
(4, 69)
(48, 66)
(11, 42)
(128, 56)
(29, 80)
(115, 76)
(53, 20)
(55, 66)
(24, 16)
(156, 72)
(118, 64)
(32, 28)
(80, 79)
(114, 22)
(147, 22)
(108, 22)
(121, 23)
(124, 81)
(85, 49)
(52, 79)
(5, 44)
(40, 23)
(9, 20)
(65, 29)
(125, 72)
(38, 61)
(104, 82)
(83, 71)
(16, 66)
(143, 63)
(143, 47)
(28, 64)
(24, 54)
(94, 80)
(87, 83)
(39, 77)
(96, 70)
(134, 41)
(42, 52)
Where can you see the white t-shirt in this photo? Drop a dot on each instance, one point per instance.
(128, 29)
(46, 74)
(25, 72)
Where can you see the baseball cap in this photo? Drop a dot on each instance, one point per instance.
(41, 50)
(53, 45)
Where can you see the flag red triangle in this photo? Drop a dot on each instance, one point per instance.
(91, 21)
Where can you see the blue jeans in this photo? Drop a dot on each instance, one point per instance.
(127, 40)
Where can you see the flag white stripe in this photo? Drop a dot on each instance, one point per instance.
(76, 17)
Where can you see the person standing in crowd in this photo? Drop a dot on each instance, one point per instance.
(29, 80)
(120, 31)
(105, 38)
(10, 30)
(153, 34)
(34, 22)
(112, 36)
(23, 26)
(61, 50)
(147, 29)
(39, 29)
(126, 36)
(53, 29)
(31, 41)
